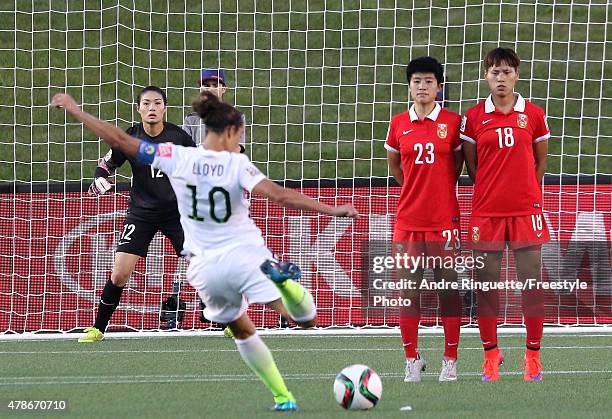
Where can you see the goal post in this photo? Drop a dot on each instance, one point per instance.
(318, 83)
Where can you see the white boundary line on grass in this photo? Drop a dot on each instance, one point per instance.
(549, 330)
(136, 379)
(398, 348)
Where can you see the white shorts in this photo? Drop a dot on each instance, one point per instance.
(229, 282)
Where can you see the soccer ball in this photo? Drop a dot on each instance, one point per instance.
(357, 387)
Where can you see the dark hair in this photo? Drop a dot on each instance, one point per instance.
(425, 65)
(216, 115)
(151, 89)
(497, 56)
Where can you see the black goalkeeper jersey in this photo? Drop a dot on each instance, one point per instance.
(151, 192)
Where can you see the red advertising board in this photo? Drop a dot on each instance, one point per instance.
(56, 253)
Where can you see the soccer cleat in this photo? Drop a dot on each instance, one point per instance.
(533, 368)
(279, 272)
(227, 332)
(414, 368)
(92, 334)
(288, 406)
(490, 367)
(449, 370)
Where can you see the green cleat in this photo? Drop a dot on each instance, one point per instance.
(92, 335)
(227, 332)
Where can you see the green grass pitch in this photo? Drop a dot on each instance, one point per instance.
(204, 377)
(318, 80)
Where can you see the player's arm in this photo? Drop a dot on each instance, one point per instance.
(540, 154)
(188, 127)
(540, 146)
(471, 160)
(186, 140)
(109, 133)
(242, 144)
(394, 161)
(468, 145)
(289, 198)
(458, 156)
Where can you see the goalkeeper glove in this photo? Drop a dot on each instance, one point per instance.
(99, 186)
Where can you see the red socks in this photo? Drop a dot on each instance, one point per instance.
(450, 311)
(409, 327)
(533, 312)
(488, 308)
(488, 331)
(452, 326)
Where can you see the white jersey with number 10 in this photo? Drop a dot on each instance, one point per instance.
(210, 191)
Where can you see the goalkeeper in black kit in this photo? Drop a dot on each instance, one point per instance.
(152, 208)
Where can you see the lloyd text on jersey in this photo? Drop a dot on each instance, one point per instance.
(205, 169)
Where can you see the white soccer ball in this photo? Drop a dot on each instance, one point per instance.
(357, 387)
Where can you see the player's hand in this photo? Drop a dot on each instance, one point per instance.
(345, 211)
(63, 100)
(99, 186)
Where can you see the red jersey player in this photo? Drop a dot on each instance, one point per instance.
(424, 156)
(505, 146)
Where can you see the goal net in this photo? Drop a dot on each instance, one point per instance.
(318, 83)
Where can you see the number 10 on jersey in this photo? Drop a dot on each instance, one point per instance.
(219, 192)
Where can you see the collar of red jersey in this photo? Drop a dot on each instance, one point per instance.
(519, 106)
(433, 115)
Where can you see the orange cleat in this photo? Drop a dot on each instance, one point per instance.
(490, 367)
(533, 367)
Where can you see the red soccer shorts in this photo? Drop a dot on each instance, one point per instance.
(492, 233)
(429, 243)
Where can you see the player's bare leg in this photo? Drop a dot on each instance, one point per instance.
(125, 263)
(528, 270)
(450, 307)
(258, 357)
(488, 309)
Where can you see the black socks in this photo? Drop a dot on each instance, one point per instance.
(109, 300)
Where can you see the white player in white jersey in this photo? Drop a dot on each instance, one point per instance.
(229, 260)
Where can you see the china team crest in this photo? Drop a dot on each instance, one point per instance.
(442, 130)
(475, 234)
(521, 120)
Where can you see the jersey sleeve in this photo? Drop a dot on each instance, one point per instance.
(165, 156)
(186, 140)
(186, 126)
(109, 163)
(248, 175)
(391, 143)
(111, 160)
(456, 140)
(541, 133)
(190, 126)
(466, 130)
